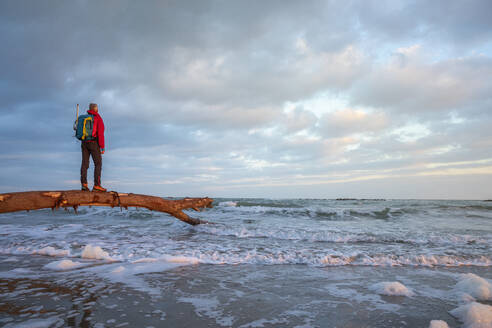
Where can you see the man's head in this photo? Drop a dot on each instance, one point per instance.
(93, 107)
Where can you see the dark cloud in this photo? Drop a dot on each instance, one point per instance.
(454, 23)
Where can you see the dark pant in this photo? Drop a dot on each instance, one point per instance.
(91, 148)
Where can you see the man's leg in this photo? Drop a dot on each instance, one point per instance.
(85, 163)
(97, 158)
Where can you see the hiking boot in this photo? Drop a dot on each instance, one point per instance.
(85, 187)
(99, 188)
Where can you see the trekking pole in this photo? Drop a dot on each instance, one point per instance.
(76, 120)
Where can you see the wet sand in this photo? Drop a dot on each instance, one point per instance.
(229, 295)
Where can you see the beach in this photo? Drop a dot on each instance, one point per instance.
(264, 263)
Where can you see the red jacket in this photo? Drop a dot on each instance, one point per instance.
(98, 129)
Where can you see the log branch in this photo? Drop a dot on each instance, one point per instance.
(34, 200)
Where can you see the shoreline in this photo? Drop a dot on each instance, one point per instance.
(234, 295)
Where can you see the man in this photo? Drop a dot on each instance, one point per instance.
(94, 148)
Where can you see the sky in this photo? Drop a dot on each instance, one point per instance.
(276, 99)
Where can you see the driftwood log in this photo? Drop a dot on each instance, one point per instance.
(34, 200)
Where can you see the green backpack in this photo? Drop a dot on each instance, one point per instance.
(83, 127)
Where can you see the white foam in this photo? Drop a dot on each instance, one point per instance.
(64, 265)
(337, 236)
(393, 288)
(118, 269)
(438, 324)
(342, 291)
(262, 322)
(228, 204)
(130, 273)
(146, 260)
(292, 256)
(95, 252)
(477, 287)
(38, 323)
(202, 305)
(51, 251)
(169, 259)
(181, 259)
(474, 315)
(210, 308)
(206, 253)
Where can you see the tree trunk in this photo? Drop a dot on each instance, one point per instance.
(34, 200)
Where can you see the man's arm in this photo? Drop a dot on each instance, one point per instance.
(100, 134)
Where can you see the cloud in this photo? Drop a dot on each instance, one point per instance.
(200, 94)
(349, 121)
(242, 76)
(411, 83)
(452, 23)
(299, 119)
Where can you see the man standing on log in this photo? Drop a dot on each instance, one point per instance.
(94, 147)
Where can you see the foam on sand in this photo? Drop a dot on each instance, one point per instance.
(477, 287)
(438, 324)
(95, 252)
(393, 288)
(51, 251)
(474, 315)
(181, 259)
(130, 274)
(169, 259)
(63, 265)
(38, 323)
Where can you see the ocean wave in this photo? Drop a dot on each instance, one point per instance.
(261, 232)
(88, 252)
(262, 203)
(327, 260)
(344, 237)
(376, 214)
(228, 204)
(35, 250)
(468, 207)
(330, 214)
(361, 209)
(279, 256)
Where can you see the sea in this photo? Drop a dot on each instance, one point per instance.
(259, 263)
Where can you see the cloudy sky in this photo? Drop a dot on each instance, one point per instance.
(280, 99)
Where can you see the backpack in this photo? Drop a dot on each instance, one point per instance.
(83, 127)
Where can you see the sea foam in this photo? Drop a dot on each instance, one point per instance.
(95, 252)
(475, 286)
(38, 323)
(394, 288)
(474, 315)
(51, 251)
(63, 265)
(228, 204)
(438, 324)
